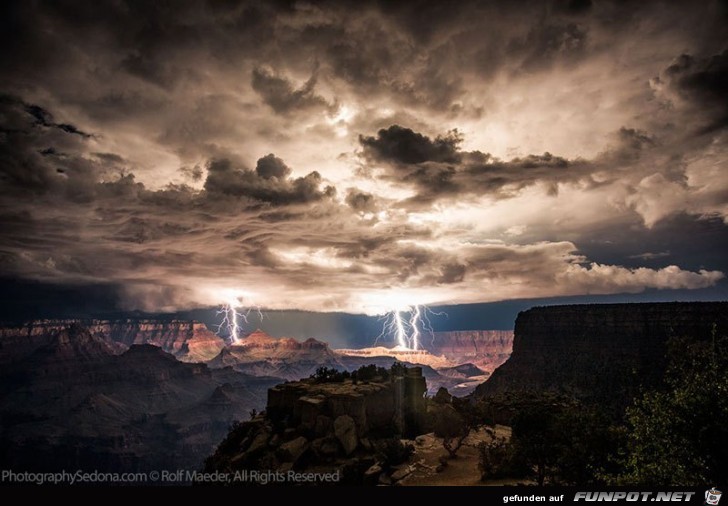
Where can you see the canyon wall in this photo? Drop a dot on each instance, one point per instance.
(487, 349)
(601, 352)
(190, 341)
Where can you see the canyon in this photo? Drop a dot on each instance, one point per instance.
(188, 341)
(143, 394)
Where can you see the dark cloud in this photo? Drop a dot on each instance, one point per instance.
(268, 183)
(702, 82)
(45, 118)
(271, 166)
(438, 168)
(282, 96)
(680, 238)
(111, 158)
(422, 19)
(38, 155)
(195, 173)
(577, 6)
(548, 43)
(402, 145)
(361, 202)
(452, 273)
(434, 181)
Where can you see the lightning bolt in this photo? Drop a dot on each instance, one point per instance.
(427, 323)
(414, 325)
(407, 331)
(232, 318)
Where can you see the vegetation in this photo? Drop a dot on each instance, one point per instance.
(325, 374)
(453, 421)
(679, 436)
(391, 451)
(364, 374)
(675, 435)
(565, 443)
(497, 459)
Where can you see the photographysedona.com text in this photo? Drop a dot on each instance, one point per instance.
(77, 477)
(162, 477)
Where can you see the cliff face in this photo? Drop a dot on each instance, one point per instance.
(487, 349)
(189, 341)
(600, 352)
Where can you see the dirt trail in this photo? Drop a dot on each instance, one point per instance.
(461, 471)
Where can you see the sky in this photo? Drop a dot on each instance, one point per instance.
(361, 157)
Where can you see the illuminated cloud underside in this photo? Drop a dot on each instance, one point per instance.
(350, 158)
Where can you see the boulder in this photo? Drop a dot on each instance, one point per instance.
(345, 431)
(292, 450)
(366, 444)
(323, 425)
(401, 472)
(371, 475)
(289, 434)
(308, 409)
(326, 448)
(260, 442)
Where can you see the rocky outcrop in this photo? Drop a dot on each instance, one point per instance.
(373, 406)
(605, 353)
(189, 341)
(345, 425)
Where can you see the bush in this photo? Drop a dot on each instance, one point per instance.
(679, 436)
(454, 421)
(371, 372)
(398, 369)
(329, 375)
(498, 460)
(392, 451)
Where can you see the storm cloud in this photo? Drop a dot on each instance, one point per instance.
(363, 156)
(268, 183)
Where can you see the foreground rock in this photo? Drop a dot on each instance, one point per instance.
(348, 427)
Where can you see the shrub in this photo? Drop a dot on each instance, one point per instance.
(392, 451)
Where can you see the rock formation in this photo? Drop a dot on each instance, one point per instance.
(351, 428)
(373, 406)
(262, 355)
(605, 353)
(189, 341)
(487, 349)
